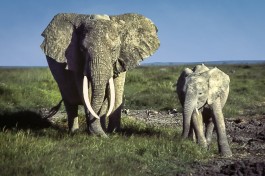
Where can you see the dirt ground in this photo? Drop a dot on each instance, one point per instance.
(246, 137)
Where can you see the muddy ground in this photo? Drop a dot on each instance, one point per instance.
(246, 137)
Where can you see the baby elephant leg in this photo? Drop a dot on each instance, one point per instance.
(209, 131)
(209, 125)
(198, 128)
(223, 145)
(191, 135)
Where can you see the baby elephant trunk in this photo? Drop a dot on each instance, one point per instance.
(189, 106)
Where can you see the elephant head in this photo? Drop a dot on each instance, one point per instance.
(99, 47)
(199, 87)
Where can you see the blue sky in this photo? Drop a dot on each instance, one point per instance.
(189, 30)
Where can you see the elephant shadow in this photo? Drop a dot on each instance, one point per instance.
(23, 120)
(30, 120)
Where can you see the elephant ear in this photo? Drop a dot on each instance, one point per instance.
(181, 84)
(218, 84)
(61, 38)
(57, 37)
(139, 40)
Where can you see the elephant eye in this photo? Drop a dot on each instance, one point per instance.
(116, 48)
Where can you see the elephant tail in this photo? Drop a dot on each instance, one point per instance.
(53, 110)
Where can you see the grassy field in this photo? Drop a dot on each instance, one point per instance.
(32, 146)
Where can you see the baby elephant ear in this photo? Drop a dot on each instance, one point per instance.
(139, 40)
(218, 84)
(181, 83)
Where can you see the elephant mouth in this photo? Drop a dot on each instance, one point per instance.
(87, 101)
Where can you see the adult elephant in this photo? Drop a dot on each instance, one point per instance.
(203, 93)
(89, 55)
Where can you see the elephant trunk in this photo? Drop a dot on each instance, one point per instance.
(189, 106)
(98, 94)
(100, 76)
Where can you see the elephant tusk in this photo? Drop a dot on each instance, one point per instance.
(86, 99)
(112, 96)
(196, 110)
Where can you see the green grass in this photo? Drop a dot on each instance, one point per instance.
(25, 88)
(154, 88)
(146, 151)
(247, 95)
(35, 147)
(145, 88)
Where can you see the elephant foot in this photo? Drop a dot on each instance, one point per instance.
(226, 153)
(74, 126)
(224, 149)
(208, 140)
(113, 129)
(203, 144)
(99, 133)
(73, 131)
(115, 121)
(96, 129)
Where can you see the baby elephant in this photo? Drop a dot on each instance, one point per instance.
(203, 93)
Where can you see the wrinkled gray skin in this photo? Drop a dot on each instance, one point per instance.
(99, 47)
(203, 93)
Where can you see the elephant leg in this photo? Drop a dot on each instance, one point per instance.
(191, 135)
(223, 145)
(115, 116)
(94, 125)
(198, 128)
(209, 131)
(209, 125)
(72, 115)
(69, 91)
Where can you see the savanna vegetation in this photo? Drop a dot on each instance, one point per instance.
(30, 145)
